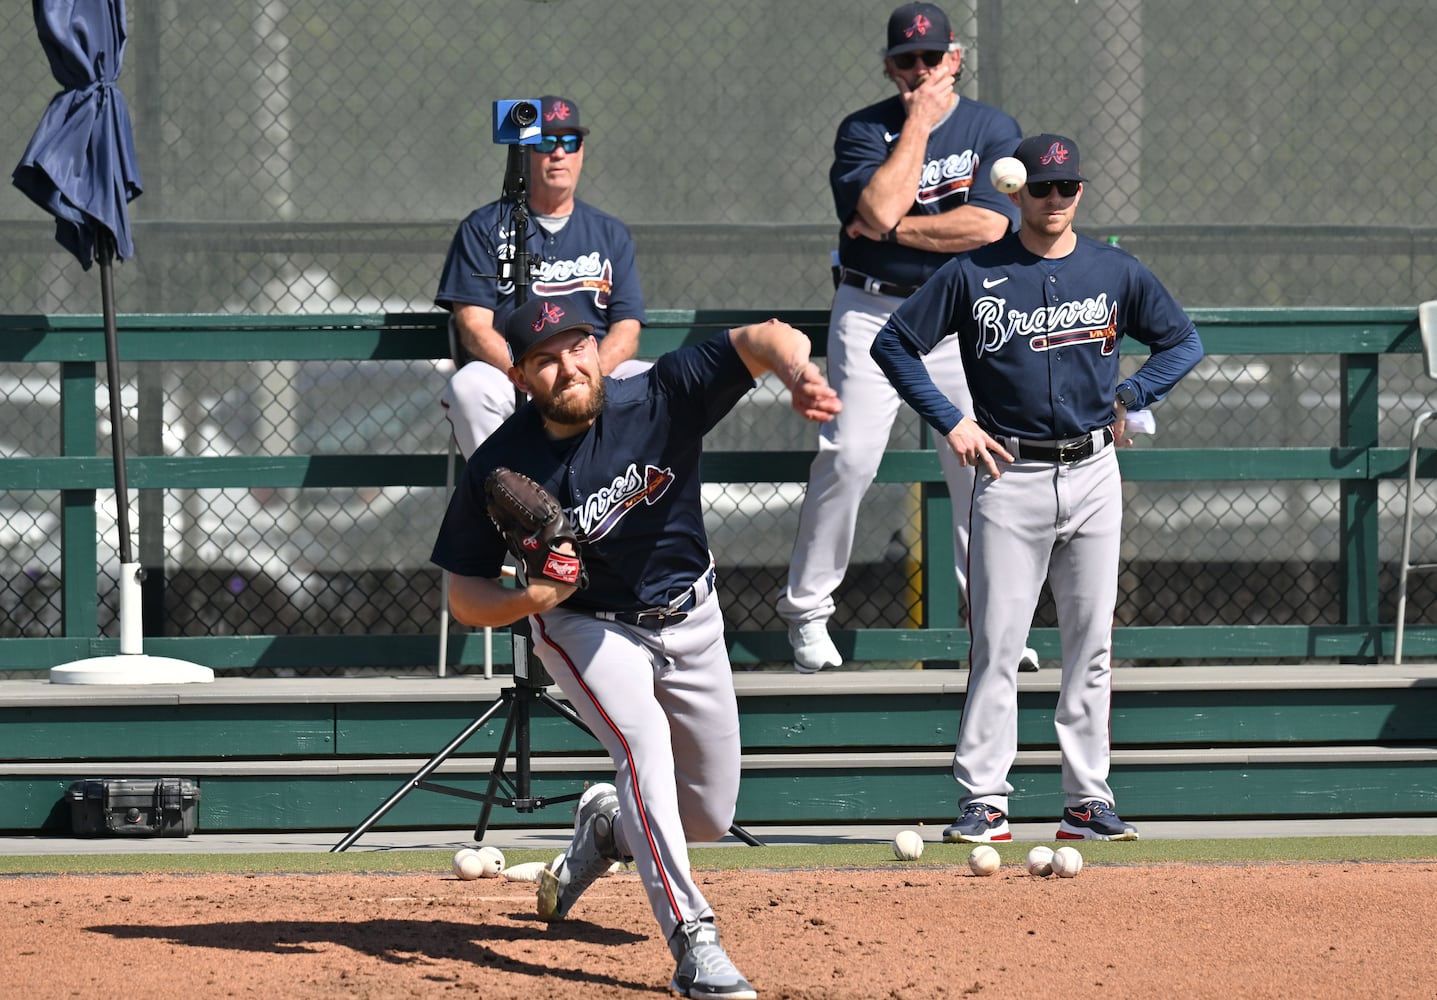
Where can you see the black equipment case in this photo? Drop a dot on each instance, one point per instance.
(133, 807)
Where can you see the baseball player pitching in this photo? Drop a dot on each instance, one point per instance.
(1039, 317)
(626, 621)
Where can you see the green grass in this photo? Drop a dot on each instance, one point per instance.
(843, 855)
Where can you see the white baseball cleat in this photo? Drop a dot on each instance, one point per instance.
(812, 648)
(1028, 662)
(588, 856)
(704, 970)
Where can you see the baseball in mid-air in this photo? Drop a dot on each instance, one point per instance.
(908, 845)
(1008, 174)
(984, 860)
(1067, 862)
(468, 864)
(1040, 860)
(493, 859)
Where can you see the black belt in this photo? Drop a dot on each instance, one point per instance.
(873, 286)
(676, 611)
(1067, 452)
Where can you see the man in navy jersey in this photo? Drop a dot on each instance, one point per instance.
(910, 184)
(1039, 316)
(640, 651)
(579, 252)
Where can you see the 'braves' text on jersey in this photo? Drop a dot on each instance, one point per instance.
(1049, 325)
(630, 484)
(955, 172)
(591, 255)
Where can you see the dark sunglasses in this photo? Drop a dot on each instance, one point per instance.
(907, 60)
(1041, 189)
(570, 141)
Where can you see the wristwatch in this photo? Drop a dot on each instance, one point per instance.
(1128, 396)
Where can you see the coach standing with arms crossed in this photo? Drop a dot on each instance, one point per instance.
(910, 183)
(1038, 316)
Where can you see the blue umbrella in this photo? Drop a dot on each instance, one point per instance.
(80, 167)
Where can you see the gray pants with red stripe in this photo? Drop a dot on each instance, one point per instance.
(1063, 523)
(662, 704)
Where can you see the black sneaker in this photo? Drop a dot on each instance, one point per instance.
(979, 824)
(1094, 820)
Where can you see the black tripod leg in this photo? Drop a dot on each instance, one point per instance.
(418, 777)
(745, 836)
(496, 775)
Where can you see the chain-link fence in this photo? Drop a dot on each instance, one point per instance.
(315, 156)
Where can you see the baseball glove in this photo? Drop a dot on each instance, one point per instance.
(534, 526)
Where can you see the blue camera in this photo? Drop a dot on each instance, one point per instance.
(517, 122)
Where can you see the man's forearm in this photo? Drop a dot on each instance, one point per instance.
(619, 345)
(474, 327)
(958, 230)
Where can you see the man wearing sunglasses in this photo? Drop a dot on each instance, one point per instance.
(1039, 316)
(580, 254)
(910, 183)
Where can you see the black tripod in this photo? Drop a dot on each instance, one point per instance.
(530, 686)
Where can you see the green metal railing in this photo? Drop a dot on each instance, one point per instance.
(1355, 462)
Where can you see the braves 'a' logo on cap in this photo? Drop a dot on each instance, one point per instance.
(548, 313)
(1057, 153)
(560, 112)
(919, 26)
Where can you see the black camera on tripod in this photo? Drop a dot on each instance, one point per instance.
(517, 122)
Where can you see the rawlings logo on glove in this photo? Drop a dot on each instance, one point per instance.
(534, 527)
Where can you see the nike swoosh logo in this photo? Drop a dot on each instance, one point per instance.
(994, 282)
(890, 136)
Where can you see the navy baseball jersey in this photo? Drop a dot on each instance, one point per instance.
(630, 484)
(1049, 326)
(960, 152)
(590, 259)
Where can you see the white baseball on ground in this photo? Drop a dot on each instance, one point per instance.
(908, 845)
(468, 864)
(1040, 860)
(984, 860)
(1008, 174)
(493, 859)
(528, 871)
(1067, 862)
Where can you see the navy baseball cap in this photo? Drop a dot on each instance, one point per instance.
(917, 27)
(539, 319)
(1049, 157)
(559, 115)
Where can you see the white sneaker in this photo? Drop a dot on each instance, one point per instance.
(812, 648)
(1028, 662)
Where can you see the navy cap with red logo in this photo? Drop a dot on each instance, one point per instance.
(559, 115)
(918, 27)
(1049, 157)
(537, 320)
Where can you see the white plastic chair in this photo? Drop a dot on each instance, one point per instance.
(1427, 323)
(453, 455)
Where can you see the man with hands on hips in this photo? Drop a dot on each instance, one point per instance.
(1039, 316)
(910, 184)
